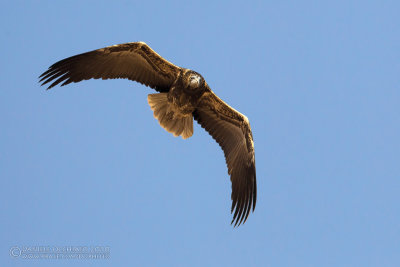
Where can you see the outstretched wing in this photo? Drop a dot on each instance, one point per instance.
(232, 131)
(133, 61)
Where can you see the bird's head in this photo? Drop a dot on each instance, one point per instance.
(193, 81)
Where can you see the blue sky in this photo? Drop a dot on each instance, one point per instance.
(88, 165)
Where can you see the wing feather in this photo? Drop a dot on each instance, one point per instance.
(133, 61)
(232, 132)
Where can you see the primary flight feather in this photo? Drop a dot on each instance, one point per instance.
(183, 96)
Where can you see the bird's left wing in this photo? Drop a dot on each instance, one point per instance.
(133, 61)
(232, 131)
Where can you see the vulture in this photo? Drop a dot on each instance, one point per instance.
(183, 95)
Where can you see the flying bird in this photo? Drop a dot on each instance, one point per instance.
(183, 95)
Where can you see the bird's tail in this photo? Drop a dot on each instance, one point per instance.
(174, 123)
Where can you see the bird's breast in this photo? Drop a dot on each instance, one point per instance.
(182, 102)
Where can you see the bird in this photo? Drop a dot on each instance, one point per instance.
(183, 96)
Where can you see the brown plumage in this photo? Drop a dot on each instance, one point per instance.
(183, 96)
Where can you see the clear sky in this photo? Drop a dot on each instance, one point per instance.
(88, 165)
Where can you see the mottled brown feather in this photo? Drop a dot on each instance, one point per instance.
(133, 61)
(232, 132)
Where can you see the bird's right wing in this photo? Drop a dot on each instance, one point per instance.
(133, 61)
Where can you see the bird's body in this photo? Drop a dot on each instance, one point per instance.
(183, 96)
(174, 110)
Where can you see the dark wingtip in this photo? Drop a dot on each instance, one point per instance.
(241, 207)
(43, 79)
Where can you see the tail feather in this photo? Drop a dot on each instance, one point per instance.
(187, 130)
(176, 124)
